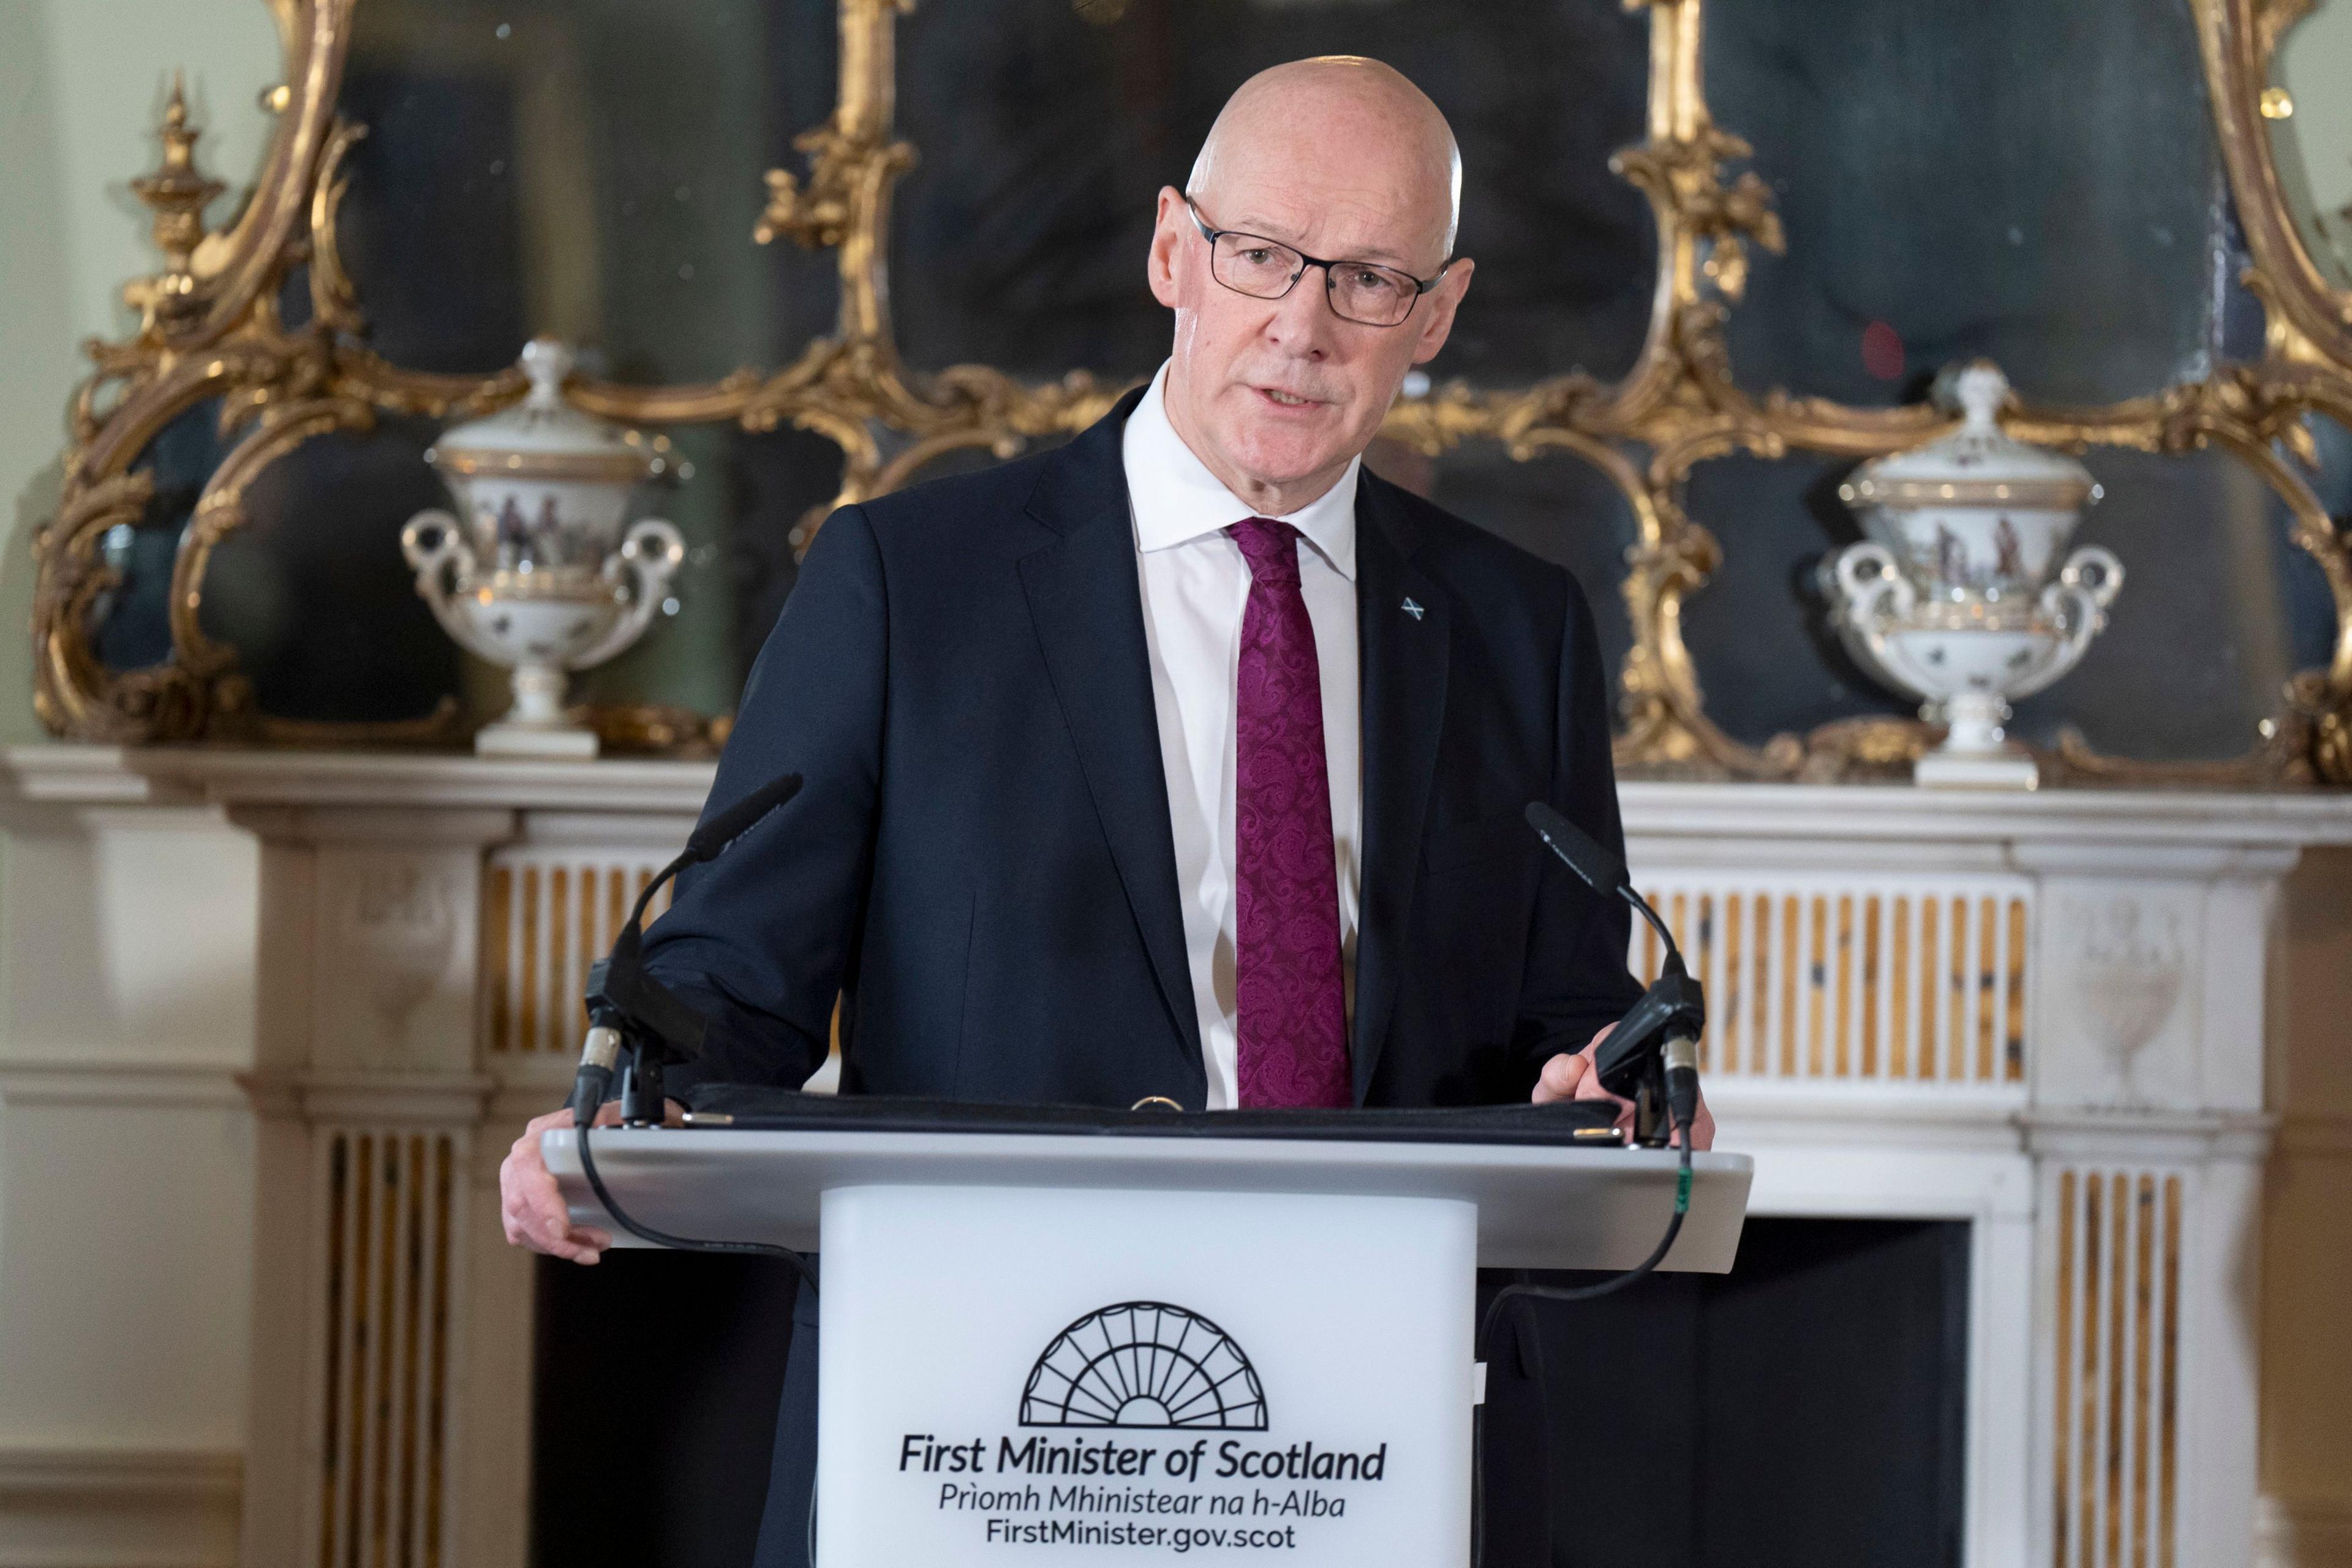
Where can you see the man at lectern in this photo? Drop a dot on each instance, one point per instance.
(1187, 760)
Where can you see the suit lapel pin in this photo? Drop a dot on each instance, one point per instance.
(1413, 609)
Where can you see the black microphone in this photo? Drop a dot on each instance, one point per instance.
(1653, 1053)
(1582, 853)
(625, 1001)
(710, 837)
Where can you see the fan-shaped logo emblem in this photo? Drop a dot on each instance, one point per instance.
(1144, 1365)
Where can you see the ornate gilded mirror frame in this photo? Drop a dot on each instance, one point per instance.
(210, 326)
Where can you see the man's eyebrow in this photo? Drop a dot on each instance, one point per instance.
(1267, 228)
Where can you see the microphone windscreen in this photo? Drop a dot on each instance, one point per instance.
(718, 832)
(1605, 872)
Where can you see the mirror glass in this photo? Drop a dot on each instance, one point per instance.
(2039, 185)
(129, 621)
(324, 620)
(591, 169)
(1046, 129)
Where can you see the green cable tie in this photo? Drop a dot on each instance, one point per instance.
(1682, 1191)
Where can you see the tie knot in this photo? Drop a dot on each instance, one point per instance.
(1271, 549)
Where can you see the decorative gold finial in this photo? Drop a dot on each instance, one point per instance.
(841, 163)
(178, 194)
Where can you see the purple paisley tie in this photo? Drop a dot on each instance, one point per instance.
(1292, 1044)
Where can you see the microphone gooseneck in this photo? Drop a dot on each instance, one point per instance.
(1599, 869)
(626, 1005)
(1650, 1058)
(629, 1009)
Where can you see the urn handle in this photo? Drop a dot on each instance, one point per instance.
(1869, 595)
(650, 555)
(1865, 577)
(2096, 573)
(2075, 604)
(434, 542)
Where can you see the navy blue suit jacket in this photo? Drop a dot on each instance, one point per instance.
(979, 864)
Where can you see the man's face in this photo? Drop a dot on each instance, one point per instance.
(1277, 395)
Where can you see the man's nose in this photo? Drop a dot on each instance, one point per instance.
(1303, 320)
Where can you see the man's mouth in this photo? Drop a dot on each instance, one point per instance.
(1286, 399)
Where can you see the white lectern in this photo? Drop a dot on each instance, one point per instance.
(1068, 1349)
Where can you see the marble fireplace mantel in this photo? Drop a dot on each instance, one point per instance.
(2051, 1015)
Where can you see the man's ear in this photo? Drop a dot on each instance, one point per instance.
(1167, 234)
(1444, 301)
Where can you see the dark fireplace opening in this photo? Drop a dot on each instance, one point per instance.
(1807, 1409)
(654, 1406)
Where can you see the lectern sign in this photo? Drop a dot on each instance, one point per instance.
(1168, 1449)
(1237, 1389)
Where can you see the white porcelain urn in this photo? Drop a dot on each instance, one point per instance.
(538, 572)
(1957, 597)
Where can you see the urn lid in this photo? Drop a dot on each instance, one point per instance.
(1977, 464)
(542, 437)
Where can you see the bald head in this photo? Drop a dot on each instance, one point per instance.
(1277, 386)
(1367, 133)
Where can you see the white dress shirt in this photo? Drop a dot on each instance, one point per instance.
(1195, 587)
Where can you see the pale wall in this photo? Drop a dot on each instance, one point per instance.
(2314, 65)
(125, 1202)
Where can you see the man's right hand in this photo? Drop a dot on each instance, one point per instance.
(530, 1205)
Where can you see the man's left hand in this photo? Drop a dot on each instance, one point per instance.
(1573, 1076)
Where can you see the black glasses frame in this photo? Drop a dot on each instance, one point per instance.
(1420, 286)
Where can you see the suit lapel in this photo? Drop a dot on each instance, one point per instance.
(1405, 665)
(1086, 607)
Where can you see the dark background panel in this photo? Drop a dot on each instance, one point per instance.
(2219, 608)
(653, 1416)
(778, 478)
(1833, 1365)
(1806, 1410)
(312, 591)
(2035, 182)
(1046, 129)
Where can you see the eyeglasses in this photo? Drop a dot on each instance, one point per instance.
(1361, 292)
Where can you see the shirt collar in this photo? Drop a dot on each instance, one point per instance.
(1177, 499)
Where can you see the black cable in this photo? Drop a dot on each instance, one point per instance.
(1615, 1282)
(685, 1243)
(1534, 1293)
